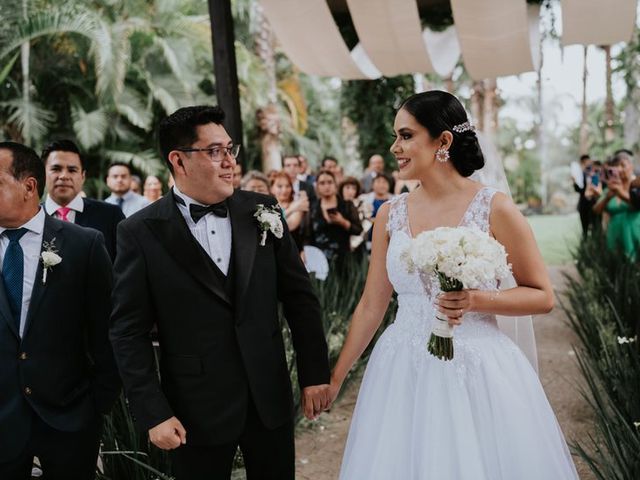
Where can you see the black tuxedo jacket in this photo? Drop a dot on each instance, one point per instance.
(104, 217)
(218, 345)
(63, 367)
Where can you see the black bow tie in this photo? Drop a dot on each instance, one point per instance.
(199, 211)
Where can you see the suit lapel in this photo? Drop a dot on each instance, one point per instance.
(81, 217)
(5, 310)
(51, 234)
(244, 233)
(174, 235)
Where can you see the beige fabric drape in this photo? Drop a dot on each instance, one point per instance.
(494, 36)
(597, 22)
(309, 36)
(391, 34)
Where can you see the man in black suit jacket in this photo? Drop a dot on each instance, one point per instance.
(65, 173)
(291, 166)
(57, 373)
(197, 263)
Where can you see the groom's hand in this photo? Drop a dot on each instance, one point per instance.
(168, 435)
(315, 399)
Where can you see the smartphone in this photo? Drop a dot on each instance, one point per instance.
(332, 211)
(595, 179)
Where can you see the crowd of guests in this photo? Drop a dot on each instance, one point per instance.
(323, 209)
(610, 199)
(326, 209)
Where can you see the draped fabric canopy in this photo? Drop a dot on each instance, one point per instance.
(494, 37)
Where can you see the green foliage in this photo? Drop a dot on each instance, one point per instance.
(604, 304)
(372, 105)
(102, 73)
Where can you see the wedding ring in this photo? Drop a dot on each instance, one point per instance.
(459, 313)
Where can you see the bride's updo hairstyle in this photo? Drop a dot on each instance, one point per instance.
(438, 111)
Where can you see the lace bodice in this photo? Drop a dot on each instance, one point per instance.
(416, 296)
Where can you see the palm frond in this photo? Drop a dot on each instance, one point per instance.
(90, 127)
(133, 108)
(146, 161)
(50, 21)
(32, 119)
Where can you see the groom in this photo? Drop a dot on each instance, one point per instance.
(193, 264)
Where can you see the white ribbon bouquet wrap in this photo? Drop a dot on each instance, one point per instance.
(461, 258)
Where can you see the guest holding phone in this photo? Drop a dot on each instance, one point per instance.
(333, 220)
(623, 230)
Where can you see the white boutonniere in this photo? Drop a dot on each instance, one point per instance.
(49, 257)
(269, 220)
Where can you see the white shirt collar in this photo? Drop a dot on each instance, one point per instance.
(187, 199)
(77, 204)
(35, 224)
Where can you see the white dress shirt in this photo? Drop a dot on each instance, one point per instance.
(132, 202)
(76, 205)
(31, 243)
(213, 233)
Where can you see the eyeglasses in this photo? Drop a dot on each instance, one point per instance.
(215, 153)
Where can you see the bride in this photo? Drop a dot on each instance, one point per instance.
(483, 415)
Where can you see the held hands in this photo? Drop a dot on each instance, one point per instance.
(168, 435)
(455, 304)
(315, 399)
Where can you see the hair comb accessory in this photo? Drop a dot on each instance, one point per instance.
(464, 127)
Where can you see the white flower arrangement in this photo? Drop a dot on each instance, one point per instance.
(269, 220)
(623, 340)
(462, 258)
(49, 257)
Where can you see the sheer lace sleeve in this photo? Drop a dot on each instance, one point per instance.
(397, 214)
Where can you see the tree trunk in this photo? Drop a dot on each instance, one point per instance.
(25, 51)
(268, 121)
(584, 126)
(490, 108)
(477, 105)
(268, 117)
(609, 133)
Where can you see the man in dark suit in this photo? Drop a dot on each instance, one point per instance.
(197, 263)
(65, 173)
(58, 374)
(291, 166)
(585, 203)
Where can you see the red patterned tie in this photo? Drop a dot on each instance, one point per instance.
(63, 212)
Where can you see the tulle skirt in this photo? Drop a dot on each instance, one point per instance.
(482, 416)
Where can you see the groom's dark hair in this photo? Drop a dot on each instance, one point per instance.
(179, 129)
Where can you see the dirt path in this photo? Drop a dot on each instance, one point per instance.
(319, 447)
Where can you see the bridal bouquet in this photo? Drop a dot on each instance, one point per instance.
(461, 258)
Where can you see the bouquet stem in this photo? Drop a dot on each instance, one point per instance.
(441, 340)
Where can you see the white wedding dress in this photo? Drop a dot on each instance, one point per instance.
(481, 416)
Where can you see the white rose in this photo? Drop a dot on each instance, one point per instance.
(50, 259)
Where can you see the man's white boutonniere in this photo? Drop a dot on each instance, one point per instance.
(269, 220)
(50, 258)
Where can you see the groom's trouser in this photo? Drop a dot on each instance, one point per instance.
(268, 454)
(62, 455)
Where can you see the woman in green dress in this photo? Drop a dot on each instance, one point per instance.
(623, 229)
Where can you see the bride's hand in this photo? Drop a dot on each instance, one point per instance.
(455, 304)
(334, 390)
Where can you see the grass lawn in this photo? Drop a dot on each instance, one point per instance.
(556, 235)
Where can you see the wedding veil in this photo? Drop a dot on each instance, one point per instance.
(519, 329)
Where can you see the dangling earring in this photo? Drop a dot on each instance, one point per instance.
(442, 155)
